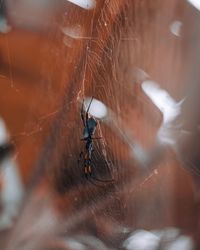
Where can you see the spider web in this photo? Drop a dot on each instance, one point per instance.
(105, 53)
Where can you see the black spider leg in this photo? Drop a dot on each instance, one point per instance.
(82, 114)
(89, 105)
(102, 180)
(87, 112)
(101, 183)
(94, 183)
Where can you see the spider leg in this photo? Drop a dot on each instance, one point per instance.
(87, 117)
(89, 105)
(94, 182)
(105, 181)
(82, 114)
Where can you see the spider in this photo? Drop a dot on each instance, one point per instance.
(89, 124)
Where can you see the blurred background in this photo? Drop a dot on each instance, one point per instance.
(141, 60)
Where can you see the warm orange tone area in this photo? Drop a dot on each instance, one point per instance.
(24, 102)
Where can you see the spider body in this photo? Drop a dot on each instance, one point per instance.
(90, 128)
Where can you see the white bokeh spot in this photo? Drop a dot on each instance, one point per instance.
(97, 108)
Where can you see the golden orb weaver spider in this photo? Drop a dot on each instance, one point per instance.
(89, 128)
